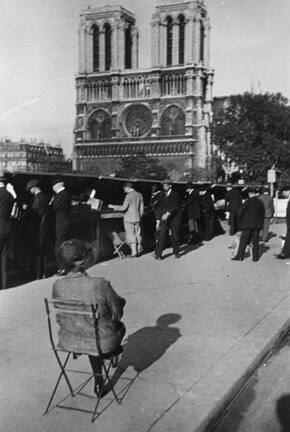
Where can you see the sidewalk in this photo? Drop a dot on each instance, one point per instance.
(195, 327)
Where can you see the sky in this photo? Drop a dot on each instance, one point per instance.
(39, 57)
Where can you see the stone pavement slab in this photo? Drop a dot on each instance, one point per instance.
(196, 327)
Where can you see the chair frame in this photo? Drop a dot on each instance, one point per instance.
(107, 359)
(117, 248)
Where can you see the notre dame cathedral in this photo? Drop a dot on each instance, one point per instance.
(164, 111)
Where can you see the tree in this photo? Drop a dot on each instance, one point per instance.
(254, 132)
(141, 167)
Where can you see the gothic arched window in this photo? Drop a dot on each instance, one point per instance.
(100, 125)
(202, 37)
(108, 46)
(169, 41)
(172, 121)
(181, 42)
(128, 47)
(96, 48)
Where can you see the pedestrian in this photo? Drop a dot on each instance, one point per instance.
(133, 209)
(233, 202)
(192, 206)
(62, 208)
(251, 217)
(79, 286)
(6, 206)
(285, 253)
(268, 202)
(156, 195)
(169, 219)
(207, 213)
(40, 208)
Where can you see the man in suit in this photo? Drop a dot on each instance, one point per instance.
(285, 253)
(170, 219)
(62, 208)
(251, 217)
(233, 202)
(268, 203)
(133, 208)
(6, 205)
(192, 207)
(40, 208)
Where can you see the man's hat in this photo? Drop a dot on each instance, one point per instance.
(166, 181)
(31, 184)
(56, 180)
(189, 185)
(76, 250)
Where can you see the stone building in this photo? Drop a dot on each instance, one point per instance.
(32, 157)
(164, 111)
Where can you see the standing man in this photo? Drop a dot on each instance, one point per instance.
(62, 208)
(251, 218)
(233, 202)
(133, 208)
(268, 203)
(192, 206)
(6, 205)
(170, 219)
(40, 207)
(285, 253)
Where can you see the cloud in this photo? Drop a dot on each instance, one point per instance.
(19, 108)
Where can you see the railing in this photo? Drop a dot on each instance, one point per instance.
(130, 86)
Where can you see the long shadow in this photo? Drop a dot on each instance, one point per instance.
(147, 345)
(283, 412)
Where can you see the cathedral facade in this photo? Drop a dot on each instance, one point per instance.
(164, 111)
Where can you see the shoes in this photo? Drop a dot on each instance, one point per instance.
(158, 258)
(177, 256)
(280, 256)
(133, 256)
(237, 259)
(61, 272)
(99, 388)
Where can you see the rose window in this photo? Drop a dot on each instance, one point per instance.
(138, 120)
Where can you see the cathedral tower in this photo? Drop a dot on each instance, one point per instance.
(164, 111)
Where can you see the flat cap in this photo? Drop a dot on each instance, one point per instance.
(31, 184)
(72, 250)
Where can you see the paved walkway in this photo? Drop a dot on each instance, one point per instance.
(195, 326)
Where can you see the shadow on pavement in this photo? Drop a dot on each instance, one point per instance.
(147, 345)
(283, 412)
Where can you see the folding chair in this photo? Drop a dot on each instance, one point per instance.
(118, 241)
(65, 315)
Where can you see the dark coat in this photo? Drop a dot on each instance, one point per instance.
(233, 200)
(62, 208)
(40, 206)
(87, 289)
(252, 214)
(155, 203)
(192, 205)
(206, 203)
(268, 202)
(288, 216)
(6, 205)
(171, 204)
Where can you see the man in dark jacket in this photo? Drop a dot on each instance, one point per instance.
(170, 218)
(285, 253)
(192, 207)
(40, 208)
(251, 217)
(268, 202)
(233, 202)
(62, 207)
(6, 205)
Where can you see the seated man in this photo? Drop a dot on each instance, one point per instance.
(79, 286)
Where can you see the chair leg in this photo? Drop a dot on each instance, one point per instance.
(62, 373)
